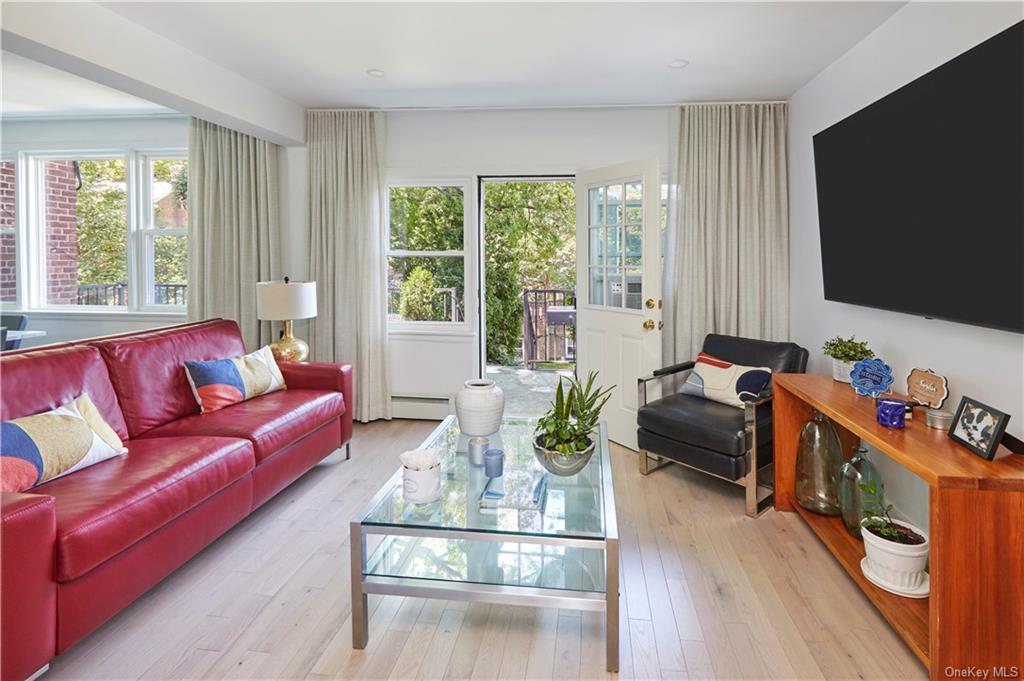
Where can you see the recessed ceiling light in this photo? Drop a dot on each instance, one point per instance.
(678, 64)
(375, 73)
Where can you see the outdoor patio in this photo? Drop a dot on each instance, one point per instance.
(528, 392)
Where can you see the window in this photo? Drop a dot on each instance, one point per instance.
(616, 245)
(102, 231)
(426, 254)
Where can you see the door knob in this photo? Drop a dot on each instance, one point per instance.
(648, 324)
(649, 303)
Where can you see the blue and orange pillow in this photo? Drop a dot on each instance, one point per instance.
(725, 382)
(37, 449)
(219, 383)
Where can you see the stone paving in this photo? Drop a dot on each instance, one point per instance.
(528, 392)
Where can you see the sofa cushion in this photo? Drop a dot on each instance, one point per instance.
(148, 372)
(219, 383)
(106, 508)
(271, 422)
(36, 381)
(703, 423)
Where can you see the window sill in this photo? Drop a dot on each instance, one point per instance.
(100, 315)
(460, 330)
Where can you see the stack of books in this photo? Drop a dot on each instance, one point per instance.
(515, 491)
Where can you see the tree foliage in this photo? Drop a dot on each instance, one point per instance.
(418, 296)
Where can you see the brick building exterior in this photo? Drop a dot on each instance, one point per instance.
(61, 233)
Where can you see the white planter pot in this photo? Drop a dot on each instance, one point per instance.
(900, 565)
(479, 407)
(841, 370)
(421, 487)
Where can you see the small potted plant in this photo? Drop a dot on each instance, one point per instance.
(897, 552)
(844, 353)
(563, 439)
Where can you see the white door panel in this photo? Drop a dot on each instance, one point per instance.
(618, 260)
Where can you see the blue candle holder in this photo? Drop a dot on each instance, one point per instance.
(892, 413)
(494, 463)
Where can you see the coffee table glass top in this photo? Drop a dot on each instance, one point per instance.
(567, 506)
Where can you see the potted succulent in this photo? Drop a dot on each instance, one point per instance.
(844, 353)
(563, 439)
(897, 552)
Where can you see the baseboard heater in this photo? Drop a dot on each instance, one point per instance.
(418, 407)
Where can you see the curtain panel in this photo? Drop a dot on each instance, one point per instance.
(234, 226)
(727, 247)
(348, 247)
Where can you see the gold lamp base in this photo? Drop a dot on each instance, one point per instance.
(289, 348)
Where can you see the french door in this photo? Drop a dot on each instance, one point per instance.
(618, 275)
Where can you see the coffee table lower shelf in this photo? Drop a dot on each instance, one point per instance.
(907, 616)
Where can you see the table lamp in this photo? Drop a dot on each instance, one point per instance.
(287, 301)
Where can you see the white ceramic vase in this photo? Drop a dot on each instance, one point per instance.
(841, 370)
(900, 565)
(479, 407)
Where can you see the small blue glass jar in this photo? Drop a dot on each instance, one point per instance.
(494, 463)
(892, 413)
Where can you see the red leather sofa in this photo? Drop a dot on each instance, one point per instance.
(77, 550)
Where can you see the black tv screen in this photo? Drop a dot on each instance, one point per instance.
(921, 194)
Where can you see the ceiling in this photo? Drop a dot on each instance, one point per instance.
(31, 89)
(516, 54)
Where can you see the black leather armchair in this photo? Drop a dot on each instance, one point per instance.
(715, 438)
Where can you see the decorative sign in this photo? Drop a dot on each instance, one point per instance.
(871, 377)
(926, 387)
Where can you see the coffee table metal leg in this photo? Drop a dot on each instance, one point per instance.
(360, 623)
(611, 632)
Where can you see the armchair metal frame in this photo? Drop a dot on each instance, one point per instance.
(754, 503)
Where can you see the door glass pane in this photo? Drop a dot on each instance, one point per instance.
(597, 245)
(597, 206)
(614, 296)
(634, 289)
(427, 218)
(426, 289)
(8, 240)
(634, 203)
(614, 204)
(170, 259)
(86, 232)
(597, 286)
(614, 253)
(169, 188)
(634, 246)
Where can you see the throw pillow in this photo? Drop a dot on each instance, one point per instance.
(37, 449)
(725, 382)
(219, 383)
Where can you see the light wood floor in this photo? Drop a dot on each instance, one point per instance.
(706, 593)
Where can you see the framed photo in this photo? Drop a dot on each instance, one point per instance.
(978, 427)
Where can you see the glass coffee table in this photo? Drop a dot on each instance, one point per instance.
(551, 541)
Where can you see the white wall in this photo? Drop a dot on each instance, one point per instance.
(461, 145)
(152, 132)
(986, 364)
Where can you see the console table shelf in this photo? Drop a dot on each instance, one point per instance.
(974, 615)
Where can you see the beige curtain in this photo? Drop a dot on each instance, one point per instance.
(234, 225)
(348, 251)
(727, 248)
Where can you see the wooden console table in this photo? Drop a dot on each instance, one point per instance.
(974, 615)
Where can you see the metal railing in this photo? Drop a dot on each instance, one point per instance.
(449, 303)
(117, 294)
(549, 326)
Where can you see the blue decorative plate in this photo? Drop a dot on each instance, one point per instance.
(871, 377)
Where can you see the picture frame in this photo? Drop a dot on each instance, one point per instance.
(978, 427)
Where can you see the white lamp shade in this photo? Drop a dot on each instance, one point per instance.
(279, 300)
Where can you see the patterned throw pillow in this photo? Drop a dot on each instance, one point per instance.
(725, 382)
(39, 448)
(219, 383)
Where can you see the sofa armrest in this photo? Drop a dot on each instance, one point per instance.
(28, 600)
(323, 376)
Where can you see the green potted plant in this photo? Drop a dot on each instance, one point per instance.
(897, 552)
(844, 353)
(564, 437)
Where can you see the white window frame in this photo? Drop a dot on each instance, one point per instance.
(30, 215)
(15, 231)
(469, 293)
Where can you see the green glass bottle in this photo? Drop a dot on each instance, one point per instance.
(855, 472)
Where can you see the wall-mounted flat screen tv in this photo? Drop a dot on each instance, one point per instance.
(921, 194)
